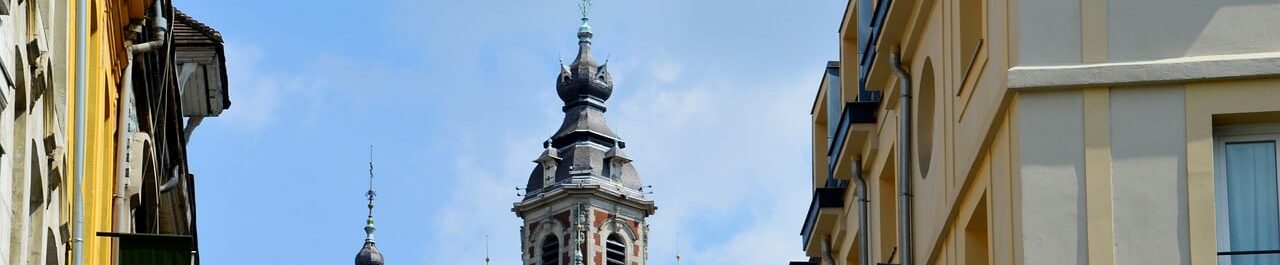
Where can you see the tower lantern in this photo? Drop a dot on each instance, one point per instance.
(584, 203)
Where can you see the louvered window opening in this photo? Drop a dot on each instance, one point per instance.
(551, 251)
(616, 251)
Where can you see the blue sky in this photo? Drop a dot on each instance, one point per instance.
(712, 96)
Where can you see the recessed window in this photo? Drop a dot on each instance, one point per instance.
(615, 250)
(975, 236)
(550, 250)
(548, 173)
(972, 14)
(615, 169)
(924, 119)
(1245, 192)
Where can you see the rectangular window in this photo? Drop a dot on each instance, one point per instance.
(975, 236)
(972, 31)
(1246, 195)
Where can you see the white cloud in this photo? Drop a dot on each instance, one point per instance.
(666, 71)
(723, 153)
(719, 151)
(255, 92)
(480, 204)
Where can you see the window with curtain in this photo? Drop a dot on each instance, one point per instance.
(615, 251)
(551, 250)
(1248, 207)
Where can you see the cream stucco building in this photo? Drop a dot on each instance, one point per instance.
(1049, 132)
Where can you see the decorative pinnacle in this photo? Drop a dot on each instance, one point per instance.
(585, 7)
(369, 227)
(584, 31)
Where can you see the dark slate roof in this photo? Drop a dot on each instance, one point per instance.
(584, 145)
(369, 255)
(189, 31)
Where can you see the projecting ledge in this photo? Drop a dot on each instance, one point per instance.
(1184, 69)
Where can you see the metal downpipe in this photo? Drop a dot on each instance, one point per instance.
(904, 158)
(77, 240)
(826, 251)
(864, 236)
(160, 27)
(121, 207)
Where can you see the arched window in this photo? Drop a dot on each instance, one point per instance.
(551, 250)
(615, 251)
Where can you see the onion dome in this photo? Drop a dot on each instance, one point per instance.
(369, 255)
(584, 81)
(584, 150)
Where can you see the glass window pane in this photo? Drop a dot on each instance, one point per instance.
(1253, 213)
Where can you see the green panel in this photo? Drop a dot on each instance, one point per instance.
(151, 249)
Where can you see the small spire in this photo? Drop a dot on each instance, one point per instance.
(486, 249)
(677, 248)
(369, 227)
(584, 31)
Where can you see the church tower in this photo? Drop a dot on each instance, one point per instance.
(584, 204)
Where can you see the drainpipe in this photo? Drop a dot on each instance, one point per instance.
(172, 182)
(904, 157)
(826, 251)
(77, 240)
(159, 25)
(864, 236)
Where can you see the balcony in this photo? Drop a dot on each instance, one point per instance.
(856, 122)
(870, 23)
(823, 214)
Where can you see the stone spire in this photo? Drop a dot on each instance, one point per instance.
(584, 150)
(584, 203)
(369, 254)
(584, 82)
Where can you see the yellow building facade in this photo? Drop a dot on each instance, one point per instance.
(105, 61)
(1048, 132)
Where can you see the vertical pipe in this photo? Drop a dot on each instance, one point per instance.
(826, 251)
(77, 241)
(864, 236)
(904, 157)
(120, 205)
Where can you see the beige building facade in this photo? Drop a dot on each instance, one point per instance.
(1049, 132)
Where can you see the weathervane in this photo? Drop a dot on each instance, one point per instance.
(585, 7)
(370, 194)
(677, 248)
(369, 227)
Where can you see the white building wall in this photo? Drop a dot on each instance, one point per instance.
(1158, 29)
(1048, 32)
(29, 202)
(1148, 150)
(6, 137)
(1051, 140)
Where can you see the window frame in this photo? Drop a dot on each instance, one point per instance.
(1224, 135)
(542, 249)
(622, 241)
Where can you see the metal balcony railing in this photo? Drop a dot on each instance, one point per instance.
(822, 198)
(870, 22)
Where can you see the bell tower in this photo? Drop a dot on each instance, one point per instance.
(584, 203)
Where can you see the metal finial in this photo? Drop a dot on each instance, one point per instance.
(369, 227)
(584, 31)
(677, 248)
(370, 194)
(585, 7)
(486, 249)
